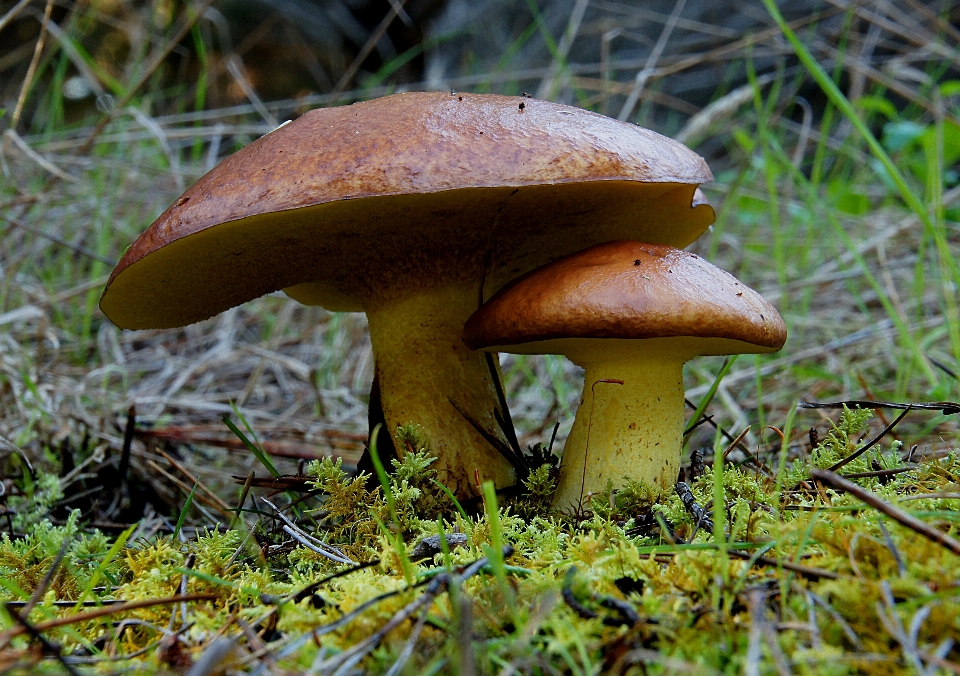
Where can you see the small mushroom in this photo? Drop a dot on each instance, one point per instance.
(631, 314)
(409, 208)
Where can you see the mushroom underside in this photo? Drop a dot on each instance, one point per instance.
(416, 264)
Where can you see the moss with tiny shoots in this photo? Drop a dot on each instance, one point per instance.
(808, 577)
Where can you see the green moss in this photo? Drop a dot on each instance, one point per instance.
(631, 500)
(843, 439)
(697, 605)
(38, 498)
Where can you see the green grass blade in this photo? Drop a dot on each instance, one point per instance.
(382, 475)
(495, 552)
(395, 535)
(906, 336)
(252, 447)
(720, 507)
(843, 104)
(186, 508)
(708, 397)
(108, 558)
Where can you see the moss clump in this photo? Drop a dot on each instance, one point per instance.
(39, 495)
(811, 579)
(353, 514)
(842, 439)
(25, 561)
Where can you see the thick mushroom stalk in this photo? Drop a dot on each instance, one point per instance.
(630, 419)
(428, 376)
(631, 314)
(631, 414)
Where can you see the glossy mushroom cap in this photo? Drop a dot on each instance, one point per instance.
(627, 290)
(342, 195)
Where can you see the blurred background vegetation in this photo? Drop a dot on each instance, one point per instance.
(112, 107)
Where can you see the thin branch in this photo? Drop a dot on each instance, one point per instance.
(650, 67)
(945, 407)
(102, 612)
(32, 68)
(799, 568)
(309, 541)
(926, 530)
(12, 14)
(147, 72)
(58, 240)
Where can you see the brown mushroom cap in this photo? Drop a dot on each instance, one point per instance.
(399, 183)
(627, 290)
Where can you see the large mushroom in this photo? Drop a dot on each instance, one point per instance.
(631, 314)
(410, 208)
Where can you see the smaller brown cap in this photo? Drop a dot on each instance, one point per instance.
(627, 290)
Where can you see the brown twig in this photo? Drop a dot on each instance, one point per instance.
(187, 488)
(32, 68)
(945, 407)
(805, 571)
(710, 421)
(70, 604)
(102, 612)
(372, 41)
(926, 530)
(279, 449)
(878, 473)
(297, 484)
(243, 498)
(736, 443)
(12, 14)
(257, 645)
(799, 568)
(221, 506)
(82, 250)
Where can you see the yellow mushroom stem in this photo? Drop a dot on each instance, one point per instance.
(426, 373)
(630, 420)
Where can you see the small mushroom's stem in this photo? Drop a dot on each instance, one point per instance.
(424, 368)
(630, 420)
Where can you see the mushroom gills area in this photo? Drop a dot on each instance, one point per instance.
(426, 373)
(630, 420)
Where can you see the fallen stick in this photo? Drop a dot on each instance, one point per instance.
(100, 612)
(838, 482)
(799, 568)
